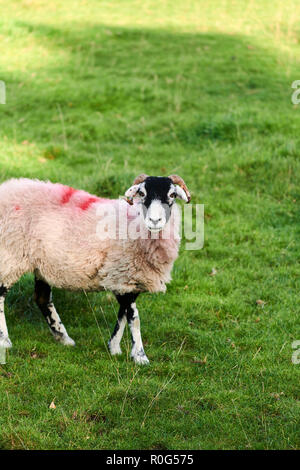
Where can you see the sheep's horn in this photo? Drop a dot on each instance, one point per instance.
(139, 179)
(178, 180)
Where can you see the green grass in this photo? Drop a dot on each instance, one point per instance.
(98, 92)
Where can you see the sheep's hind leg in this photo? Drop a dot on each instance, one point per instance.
(4, 339)
(43, 298)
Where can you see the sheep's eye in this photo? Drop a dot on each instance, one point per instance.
(141, 193)
(172, 195)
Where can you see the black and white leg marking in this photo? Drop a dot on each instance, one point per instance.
(43, 298)
(128, 311)
(115, 340)
(137, 351)
(4, 339)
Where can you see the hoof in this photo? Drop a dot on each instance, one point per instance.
(114, 349)
(5, 342)
(140, 357)
(65, 340)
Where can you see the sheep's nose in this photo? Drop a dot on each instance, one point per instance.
(155, 221)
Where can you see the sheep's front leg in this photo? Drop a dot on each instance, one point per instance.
(4, 339)
(128, 311)
(115, 340)
(137, 351)
(43, 298)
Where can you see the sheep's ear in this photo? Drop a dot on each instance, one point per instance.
(181, 188)
(131, 192)
(181, 194)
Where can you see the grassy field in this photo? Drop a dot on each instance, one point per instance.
(98, 92)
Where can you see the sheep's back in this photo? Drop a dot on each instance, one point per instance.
(53, 228)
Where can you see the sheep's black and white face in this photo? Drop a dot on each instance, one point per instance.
(157, 195)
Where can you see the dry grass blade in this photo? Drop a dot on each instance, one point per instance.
(153, 399)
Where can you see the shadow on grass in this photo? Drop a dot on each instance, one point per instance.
(122, 89)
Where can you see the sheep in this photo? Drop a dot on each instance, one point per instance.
(52, 230)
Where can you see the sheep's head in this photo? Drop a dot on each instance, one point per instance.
(157, 195)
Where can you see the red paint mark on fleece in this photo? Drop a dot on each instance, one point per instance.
(82, 200)
(85, 204)
(67, 194)
(17, 208)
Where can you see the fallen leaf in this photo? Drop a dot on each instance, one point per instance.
(261, 302)
(200, 361)
(52, 405)
(277, 395)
